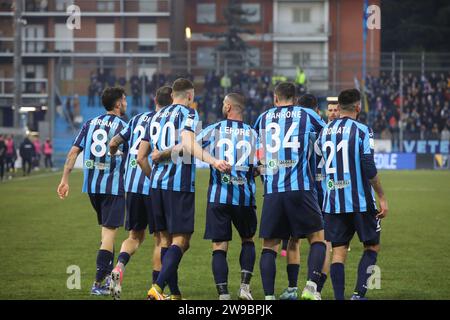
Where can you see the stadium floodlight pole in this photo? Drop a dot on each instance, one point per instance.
(188, 40)
(401, 106)
(17, 61)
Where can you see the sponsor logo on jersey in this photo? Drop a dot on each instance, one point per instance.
(339, 184)
(227, 179)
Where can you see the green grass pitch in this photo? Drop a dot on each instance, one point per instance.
(41, 236)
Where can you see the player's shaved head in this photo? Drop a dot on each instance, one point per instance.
(285, 91)
(237, 101)
(164, 96)
(349, 99)
(180, 87)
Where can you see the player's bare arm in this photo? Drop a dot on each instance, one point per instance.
(191, 146)
(63, 188)
(162, 156)
(116, 141)
(142, 157)
(376, 185)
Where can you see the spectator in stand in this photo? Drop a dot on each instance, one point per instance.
(48, 153)
(122, 81)
(425, 103)
(27, 153)
(11, 154)
(2, 157)
(37, 153)
(445, 134)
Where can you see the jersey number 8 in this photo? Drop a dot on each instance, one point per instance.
(98, 146)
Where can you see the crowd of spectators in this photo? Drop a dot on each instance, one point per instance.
(426, 112)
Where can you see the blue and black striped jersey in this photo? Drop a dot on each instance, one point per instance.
(164, 131)
(135, 179)
(343, 144)
(235, 142)
(286, 136)
(102, 173)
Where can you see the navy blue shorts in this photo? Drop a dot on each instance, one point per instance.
(340, 228)
(173, 211)
(139, 212)
(290, 214)
(220, 216)
(110, 209)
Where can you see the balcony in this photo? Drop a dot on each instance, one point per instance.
(31, 88)
(89, 8)
(300, 33)
(89, 47)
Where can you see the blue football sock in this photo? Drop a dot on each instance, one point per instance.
(369, 258)
(155, 275)
(123, 258)
(170, 264)
(220, 270)
(268, 270)
(220, 266)
(247, 261)
(316, 259)
(337, 275)
(292, 272)
(172, 282)
(104, 258)
(323, 278)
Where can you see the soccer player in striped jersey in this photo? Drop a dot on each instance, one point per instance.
(290, 207)
(173, 182)
(349, 204)
(332, 111)
(103, 177)
(137, 188)
(307, 101)
(231, 197)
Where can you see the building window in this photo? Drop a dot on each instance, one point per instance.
(105, 31)
(301, 15)
(29, 34)
(63, 38)
(205, 57)
(61, 5)
(254, 57)
(301, 59)
(254, 10)
(66, 71)
(148, 6)
(105, 5)
(206, 13)
(146, 31)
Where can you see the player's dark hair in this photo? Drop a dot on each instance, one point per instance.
(164, 96)
(348, 99)
(181, 85)
(237, 101)
(308, 101)
(110, 96)
(285, 91)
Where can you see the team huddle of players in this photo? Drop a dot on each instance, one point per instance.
(319, 182)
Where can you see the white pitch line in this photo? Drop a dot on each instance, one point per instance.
(6, 180)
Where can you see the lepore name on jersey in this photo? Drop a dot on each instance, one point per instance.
(135, 179)
(342, 144)
(235, 142)
(103, 173)
(285, 143)
(163, 132)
